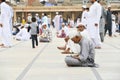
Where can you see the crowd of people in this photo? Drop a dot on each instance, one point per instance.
(81, 37)
(91, 30)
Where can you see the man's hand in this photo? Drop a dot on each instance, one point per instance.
(76, 56)
(1, 25)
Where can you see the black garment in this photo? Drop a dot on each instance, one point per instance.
(107, 28)
(119, 28)
(108, 25)
(34, 40)
(102, 36)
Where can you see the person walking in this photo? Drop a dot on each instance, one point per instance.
(6, 24)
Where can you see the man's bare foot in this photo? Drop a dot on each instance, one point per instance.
(1, 44)
(61, 48)
(67, 52)
(5, 46)
(98, 47)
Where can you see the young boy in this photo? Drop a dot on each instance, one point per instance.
(34, 31)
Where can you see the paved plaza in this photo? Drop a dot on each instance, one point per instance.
(46, 62)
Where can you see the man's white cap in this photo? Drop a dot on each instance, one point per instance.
(109, 6)
(42, 14)
(63, 23)
(44, 24)
(84, 6)
(29, 14)
(7, 0)
(80, 24)
(36, 14)
(56, 12)
(73, 33)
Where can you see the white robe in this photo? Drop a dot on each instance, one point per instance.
(56, 21)
(94, 15)
(6, 21)
(23, 35)
(85, 34)
(84, 18)
(113, 25)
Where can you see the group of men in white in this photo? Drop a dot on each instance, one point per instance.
(88, 29)
(87, 34)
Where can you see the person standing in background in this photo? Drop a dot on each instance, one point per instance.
(108, 25)
(6, 24)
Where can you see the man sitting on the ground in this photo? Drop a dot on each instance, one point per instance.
(46, 35)
(63, 32)
(23, 34)
(70, 45)
(87, 54)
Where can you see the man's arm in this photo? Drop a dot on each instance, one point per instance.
(84, 51)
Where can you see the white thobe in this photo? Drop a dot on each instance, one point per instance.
(113, 25)
(66, 30)
(94, 15)
(85, 34)
(45, 20)
(23, 35)
(73, 46)
(6, 21)
(84, 18)
(56, 21)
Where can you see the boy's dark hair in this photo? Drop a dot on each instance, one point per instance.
(3, 0)
(33, 19)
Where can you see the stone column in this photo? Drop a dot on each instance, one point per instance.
(23, 14)
(73, 17)
(15, 17)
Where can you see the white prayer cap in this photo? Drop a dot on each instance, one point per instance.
(109, 6)
(42, 14)
(56, 12)
(63, 23)
(7, 0)
(73, 33)
(36, 14)
(84, 6)
(80, 24)
(43, 24)
(29, 14)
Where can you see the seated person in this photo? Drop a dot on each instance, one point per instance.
(70, 45)
(87, 54)
(46, 34)
(15, 30)
(23, 34)
(63, 32)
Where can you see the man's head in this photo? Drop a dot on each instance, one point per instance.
(2, 1)
(92, 1)
(84, 7)
(44, 26)
(76, 38)
(63, 24)
(33, 19)
(80, 27)
(109, 7)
